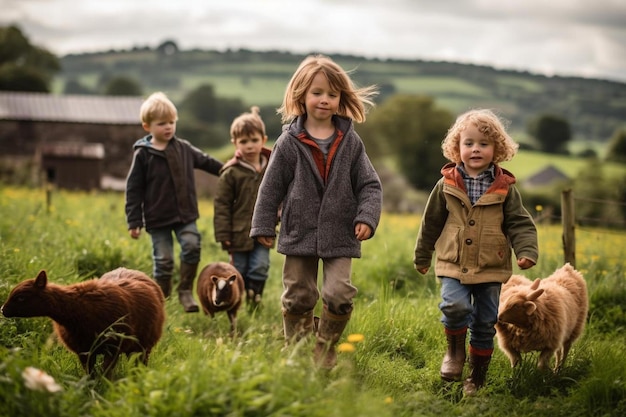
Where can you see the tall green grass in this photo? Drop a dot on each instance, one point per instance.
(198, 370)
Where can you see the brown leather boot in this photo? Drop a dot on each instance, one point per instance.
(166, 286)
(185, 287)
(454, 360)
(331, 326)
(479, 363)
(297, 326)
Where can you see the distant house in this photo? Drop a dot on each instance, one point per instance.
(549, 175)
(73, 141)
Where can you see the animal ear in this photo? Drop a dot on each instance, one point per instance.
(535, 294)
(535, 284)
(529, 307)
(232, 279)
(41, 280)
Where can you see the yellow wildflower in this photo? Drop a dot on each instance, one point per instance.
(346, 347)
(356, 338)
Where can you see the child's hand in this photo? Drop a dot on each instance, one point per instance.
(225, 244)
(423, 270)
(362, 231)
(267, 241)
(525, 263)
(134, 233)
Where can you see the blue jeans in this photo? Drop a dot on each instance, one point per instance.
(254, 264)
(474, 306)
(163, 248)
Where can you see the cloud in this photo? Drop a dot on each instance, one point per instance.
(566, 37)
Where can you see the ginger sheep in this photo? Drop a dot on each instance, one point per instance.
(548, 316)
(221, 288)
(120, 313)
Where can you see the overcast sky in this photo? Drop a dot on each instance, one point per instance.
(562, 37)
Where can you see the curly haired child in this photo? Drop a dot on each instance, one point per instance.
(473, 218)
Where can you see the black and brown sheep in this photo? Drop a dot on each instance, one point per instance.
(221, 288)
(547, 315)
(120, 313)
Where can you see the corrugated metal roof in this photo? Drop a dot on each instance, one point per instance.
(69, 108)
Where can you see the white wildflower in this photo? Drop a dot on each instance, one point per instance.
(38, 380)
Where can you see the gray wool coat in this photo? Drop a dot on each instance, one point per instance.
(318, 215)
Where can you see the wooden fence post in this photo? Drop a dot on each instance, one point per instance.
(569, 227)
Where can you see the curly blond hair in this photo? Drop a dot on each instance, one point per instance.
(487, 123)
(352, 104)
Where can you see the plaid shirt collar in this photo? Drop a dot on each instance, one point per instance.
(476, 187)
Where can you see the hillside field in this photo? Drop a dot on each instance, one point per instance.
(594, 108)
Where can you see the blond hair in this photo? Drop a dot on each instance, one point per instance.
(487, 123)
(157, 107)
(352, 102)
(247, 124)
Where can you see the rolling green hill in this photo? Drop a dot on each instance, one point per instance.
(594, 108)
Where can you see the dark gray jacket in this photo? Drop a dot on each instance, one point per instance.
(321, 204)
(160, 186)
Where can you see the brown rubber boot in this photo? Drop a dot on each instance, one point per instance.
(297, 326)
(254, 294)
(479, 363)
(454, 360)
(185, 287)
(330, 328)
(166, 286)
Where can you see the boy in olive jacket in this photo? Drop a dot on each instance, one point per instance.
(234, 201)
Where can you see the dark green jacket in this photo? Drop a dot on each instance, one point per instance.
(473, 243)
(234, 202)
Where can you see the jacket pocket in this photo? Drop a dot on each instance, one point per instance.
(447, 246)
(494, 250)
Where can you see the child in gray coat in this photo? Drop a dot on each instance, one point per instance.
(331, 199)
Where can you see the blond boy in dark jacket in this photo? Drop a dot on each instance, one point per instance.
(161, 195)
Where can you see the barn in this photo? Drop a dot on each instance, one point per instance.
(72, 141)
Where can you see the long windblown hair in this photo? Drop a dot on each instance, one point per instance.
(354, 102)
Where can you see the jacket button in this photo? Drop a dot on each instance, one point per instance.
(472, 222)
(468, 241)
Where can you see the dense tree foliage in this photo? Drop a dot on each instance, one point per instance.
(551, 132)
(413, 128)
(23, 66)
(73, 86)
(123, 86)
(205, 119)
(601, 198)
(617, 146)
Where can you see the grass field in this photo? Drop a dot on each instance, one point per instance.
(527, 163)
(197, 370)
